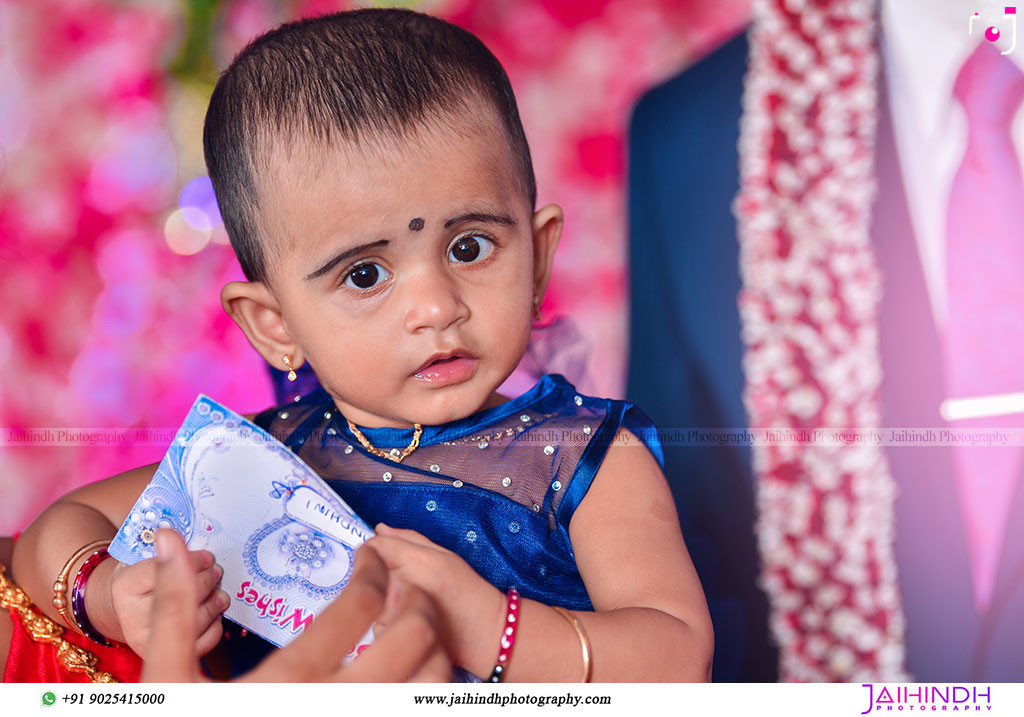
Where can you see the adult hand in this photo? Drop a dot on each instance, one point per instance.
(407, 645)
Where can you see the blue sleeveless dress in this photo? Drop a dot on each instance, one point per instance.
(499, 487)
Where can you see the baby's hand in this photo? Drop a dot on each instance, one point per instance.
(131, 589)
(408, 649)
(472, 609)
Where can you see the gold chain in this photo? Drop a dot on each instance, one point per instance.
(394, 454)
(42, 629)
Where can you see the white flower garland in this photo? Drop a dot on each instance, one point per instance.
(808, 312)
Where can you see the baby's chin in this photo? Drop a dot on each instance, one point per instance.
(452, 403)
(414, 401)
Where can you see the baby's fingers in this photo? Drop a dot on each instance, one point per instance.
(138, 579)
(207, 580)
(413, 563)
(201, 559)
(406, 534)
(210, 610)
(209, 639)
(398, 552)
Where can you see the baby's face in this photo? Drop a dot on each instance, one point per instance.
(389, 255)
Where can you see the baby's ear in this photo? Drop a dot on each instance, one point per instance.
(256, 311)
(547, 230)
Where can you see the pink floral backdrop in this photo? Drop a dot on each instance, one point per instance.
(110, 321)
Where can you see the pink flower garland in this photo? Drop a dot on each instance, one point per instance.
(808, 311)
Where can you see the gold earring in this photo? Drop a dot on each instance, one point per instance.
(288, 364)
(536, 309)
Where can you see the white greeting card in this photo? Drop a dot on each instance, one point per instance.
(286, 541)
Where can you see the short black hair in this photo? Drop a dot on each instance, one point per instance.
(357, 75)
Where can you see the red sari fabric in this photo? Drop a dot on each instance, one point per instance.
(30, 661)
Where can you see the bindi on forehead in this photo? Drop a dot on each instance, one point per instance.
(416, 224)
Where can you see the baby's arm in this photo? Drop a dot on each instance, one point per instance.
(116, 600)
(118, 596)
(93, 512)
(651, 621)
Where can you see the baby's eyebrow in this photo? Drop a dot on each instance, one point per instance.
(342, 256)
(480, 217)
(487, 217)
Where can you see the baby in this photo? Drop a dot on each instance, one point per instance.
(377, 187)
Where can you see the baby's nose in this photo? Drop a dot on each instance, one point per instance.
(433, 302)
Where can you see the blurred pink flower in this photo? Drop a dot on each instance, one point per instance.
(102, 325)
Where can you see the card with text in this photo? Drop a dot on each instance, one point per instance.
(286, 541)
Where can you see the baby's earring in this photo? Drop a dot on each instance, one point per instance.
(536, 309)
(288, 364)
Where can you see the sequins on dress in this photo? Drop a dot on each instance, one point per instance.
(498, 487)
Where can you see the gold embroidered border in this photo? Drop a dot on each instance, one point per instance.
(42, 629)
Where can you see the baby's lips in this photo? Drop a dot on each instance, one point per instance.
(455, 353)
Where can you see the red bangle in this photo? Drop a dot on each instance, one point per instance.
(508, 636)
(78, 598)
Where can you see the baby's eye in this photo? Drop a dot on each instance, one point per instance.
(470, 248)
(366, 276)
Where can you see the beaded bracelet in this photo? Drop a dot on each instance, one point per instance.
(508, 636)
(78, 598)
(60, 586)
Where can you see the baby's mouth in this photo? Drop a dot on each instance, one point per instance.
(455, 355)
(458, 366)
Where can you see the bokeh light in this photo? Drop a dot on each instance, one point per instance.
(114, 250)
(199, 204)
(183, 238)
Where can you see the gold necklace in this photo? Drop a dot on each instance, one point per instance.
(394, 454)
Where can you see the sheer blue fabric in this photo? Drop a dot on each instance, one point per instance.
(498, 487)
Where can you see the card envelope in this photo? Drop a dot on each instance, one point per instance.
(286, 541)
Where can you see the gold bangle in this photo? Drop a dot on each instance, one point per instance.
(584, 642)
(60, 586)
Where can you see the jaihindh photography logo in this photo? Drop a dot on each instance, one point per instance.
(927, 698)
